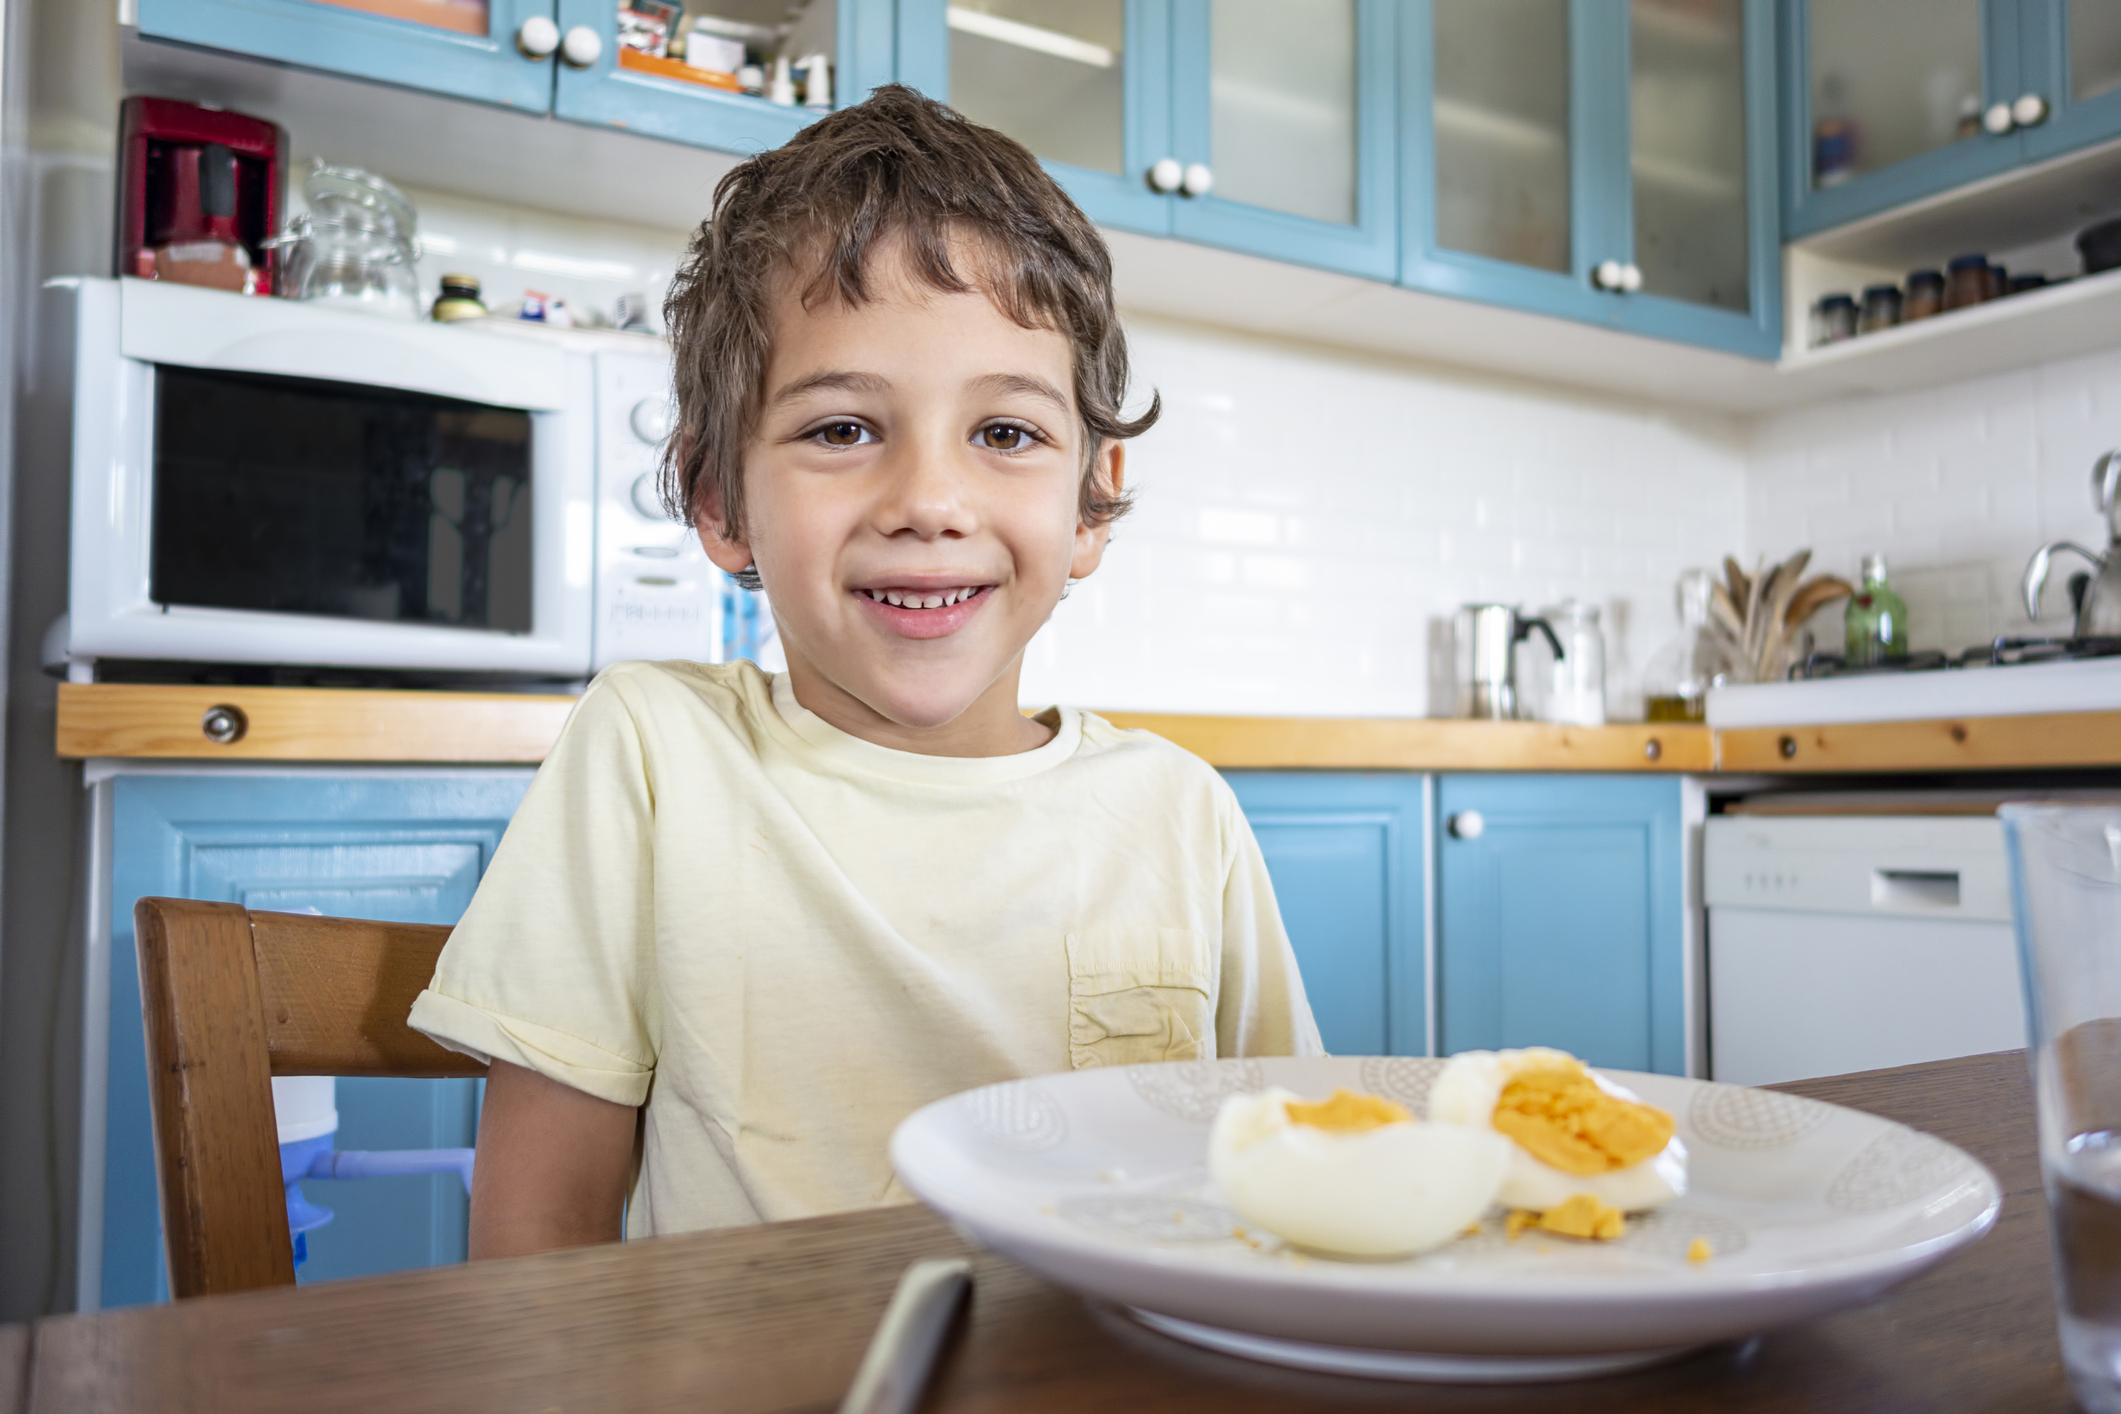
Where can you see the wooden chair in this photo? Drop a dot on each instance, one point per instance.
(230, 999)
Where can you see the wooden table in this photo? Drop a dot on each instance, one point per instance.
(776, 1318)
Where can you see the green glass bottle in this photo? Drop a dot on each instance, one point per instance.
(1877, 619)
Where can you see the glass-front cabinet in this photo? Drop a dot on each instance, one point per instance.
(1260, 125)
(464, 48)
(1609, 162)
(1889, 101)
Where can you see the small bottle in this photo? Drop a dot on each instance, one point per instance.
(1837, 319)
(1966, 281)
(1675, 685)
(1925, 296)
(1881, 308)
(781, 88)
(1877, 619)
(459, 300)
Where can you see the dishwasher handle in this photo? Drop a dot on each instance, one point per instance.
(1915, 890)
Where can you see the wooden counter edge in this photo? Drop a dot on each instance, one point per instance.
(2049, 740)
(147, 721)
(308, 724)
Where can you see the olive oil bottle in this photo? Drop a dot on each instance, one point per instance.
(1877, 619)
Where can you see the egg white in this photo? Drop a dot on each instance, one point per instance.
(1466, 1093)
(1385, 1192)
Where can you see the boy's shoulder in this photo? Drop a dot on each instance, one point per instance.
(1143, 751)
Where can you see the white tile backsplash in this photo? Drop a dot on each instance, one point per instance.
(1955, 486)
(1310, 519)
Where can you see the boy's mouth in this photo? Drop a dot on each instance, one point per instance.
(924, 612)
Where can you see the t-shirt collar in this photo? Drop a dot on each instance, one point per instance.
(830, 741)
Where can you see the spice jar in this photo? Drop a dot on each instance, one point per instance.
(1925, 296)
(459, 300)
(1881, 308)
(1836, 320)
(1966, 281)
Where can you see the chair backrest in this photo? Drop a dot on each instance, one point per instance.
(231, 998)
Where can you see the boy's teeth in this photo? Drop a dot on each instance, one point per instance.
(905, 600)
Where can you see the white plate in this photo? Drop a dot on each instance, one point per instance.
(1098, 1180)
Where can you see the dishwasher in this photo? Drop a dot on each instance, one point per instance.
(1855, 942)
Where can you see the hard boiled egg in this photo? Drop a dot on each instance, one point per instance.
(1354, 1175)
(1571, 1131)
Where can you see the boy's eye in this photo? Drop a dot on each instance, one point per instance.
(1005, 437)
(842, 434)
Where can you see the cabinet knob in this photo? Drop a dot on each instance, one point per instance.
(1998, 118)
(1609, 275)
(1466, 825)
(582, 47)
(1630, 277)
(538, 37)
(650, 420)
(2029, 110)
(1166, 176)
(647, 497)
(224, 725)
(1197, 180)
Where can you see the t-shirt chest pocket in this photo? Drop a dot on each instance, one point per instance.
(1140, 994)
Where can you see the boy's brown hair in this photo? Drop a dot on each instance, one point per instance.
(897, 166)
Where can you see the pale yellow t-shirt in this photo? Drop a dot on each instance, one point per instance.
(782, 940)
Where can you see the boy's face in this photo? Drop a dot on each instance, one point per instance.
(912, 508)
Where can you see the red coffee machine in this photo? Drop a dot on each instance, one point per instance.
(199, 193)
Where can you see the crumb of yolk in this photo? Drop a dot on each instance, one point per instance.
(1581, 1215)
(1699, 1251)
(1561, 1117)
(1519, 1219)
(1348, 1112)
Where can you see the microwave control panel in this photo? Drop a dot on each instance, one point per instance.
(657, 594)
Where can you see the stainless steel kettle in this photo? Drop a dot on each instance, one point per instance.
(2099, 611)
(1492, 633)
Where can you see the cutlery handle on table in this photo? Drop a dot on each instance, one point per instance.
(903, 1350)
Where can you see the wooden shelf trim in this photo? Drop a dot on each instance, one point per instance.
(308, 724)
(1966, 744)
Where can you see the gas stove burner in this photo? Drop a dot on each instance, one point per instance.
(2009, 652)
(1833, 665)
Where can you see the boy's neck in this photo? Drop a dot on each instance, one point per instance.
(991, 726)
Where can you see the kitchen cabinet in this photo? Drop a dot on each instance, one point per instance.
(1889, 101)
(857, 33)
(463, 48)
(539, 56)
(1348, 855)
(1561, 916)
(1265, 126)
(399, 845)
(1614, 164)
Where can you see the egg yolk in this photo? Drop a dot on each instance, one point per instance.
(1581, 1215)
(1561, 1117)
(1348, 1112)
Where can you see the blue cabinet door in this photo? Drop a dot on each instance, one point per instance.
(1347, 855)
(607, 94)
(342, 40)
(405, 848)
(1809, 207)
(928, 29)
(2071, 53)
(1560, 914)
(1301, 122)
(1555, 171)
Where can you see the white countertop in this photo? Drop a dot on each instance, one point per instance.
(2093, 685)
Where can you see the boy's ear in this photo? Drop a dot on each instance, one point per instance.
(731, 555)
(1110, 469)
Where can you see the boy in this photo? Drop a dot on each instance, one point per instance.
(743, 925)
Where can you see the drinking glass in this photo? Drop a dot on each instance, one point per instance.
(2065, 868)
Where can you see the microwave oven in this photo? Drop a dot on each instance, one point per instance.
(263, 481)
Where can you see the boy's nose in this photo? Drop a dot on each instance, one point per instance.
(925, 494)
